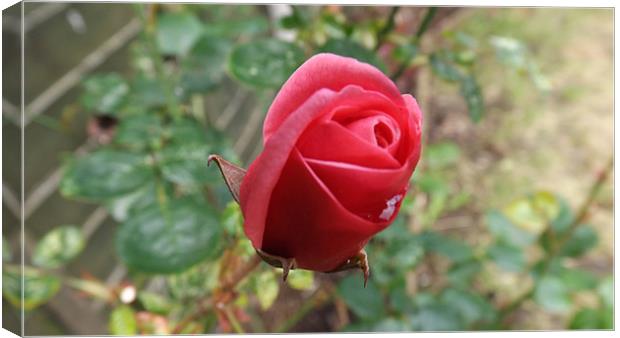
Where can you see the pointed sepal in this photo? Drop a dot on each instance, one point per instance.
(359, 261)
(286, 264)
(233, 175)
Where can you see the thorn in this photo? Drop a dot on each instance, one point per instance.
(287, 265)
(362, 259)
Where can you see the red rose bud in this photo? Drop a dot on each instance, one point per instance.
(340, 145)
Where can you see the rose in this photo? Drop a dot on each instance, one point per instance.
(340, 144)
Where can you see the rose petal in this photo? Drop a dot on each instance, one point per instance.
(306, 222)
(331, 141)
(325, 71)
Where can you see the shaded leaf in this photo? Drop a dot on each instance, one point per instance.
(204, 68)
(154, 302)
(472, 93)
(471, 307)
(462, 274)
(105, 174)
(507, 257)
(352, 49)
(366, 303)
(592, 319)
(457, 251)
(233, 28)
(265, 63)
(104, 93)
(436, 317)
(123, 321)
(138, 132)
(177, 32)
(504, 230)
(169, 238)
(58, 247)
(440, 155)
(186, 165)
(442, 67)
(583, 239)
(38, 287)
(552, 294)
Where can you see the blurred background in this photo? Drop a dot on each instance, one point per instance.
(508, 224)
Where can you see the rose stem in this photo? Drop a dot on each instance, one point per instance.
(387, 28)
(595, 187)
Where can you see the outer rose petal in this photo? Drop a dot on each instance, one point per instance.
(325, 71)
(307, 222)
(264, 172)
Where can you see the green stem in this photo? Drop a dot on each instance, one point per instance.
(387, 28)
(555, 248)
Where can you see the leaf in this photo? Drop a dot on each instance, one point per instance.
(123, 321)
(509, 51)
(552, 294)
(6, 250)
(507, 257)
(470, 90)
(169, 238)
(441, 65)
(154, 302)
(436, 317)
(104, 174)
(564, 217)
(366, 303)
(462, 274)
(344, 47)
(234, 28)
(122, 207)
(391, 325)
(186, 165)
(504, 230)
(267, 289)
(592, 319)
(533, 213)
(583, 239)
(147, 92)
(177, 33)
(104, 93)
(441, 155)
(139, 132)
(265, 63)
(58, 247)
(38, 287)
(204, 68)
(301, 279)
(471, 307)
(605, 291)
(577, 279)
(456, 250)
(186, 131)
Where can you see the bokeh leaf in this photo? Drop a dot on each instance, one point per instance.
(583, 239)
(154, 302)
(104, 174)
(123, 321)
(506, 256)
(366, 303)
(38, 287)
(177, 32)
(58, 247)
(169, 238)
(552, 294)
(344, 47)
(267, 288)
(436, 317)
(104, 93)
(441, 155)
(138, 132)
(470, 90)
(504, 230)
(265, 63)
(301, 279)
(204, 67)
(471, 307)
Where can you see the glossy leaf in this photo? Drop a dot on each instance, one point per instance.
(470, 90)
(139, 132)
(105, 174)
(366, 303)
(169, 238)
(265, 63)
(38, 287)
(177, 32)
(504, 230)
(58, 247)
(507, 257)
(187, 165)
(123, 321)
(352, 49)
(104, 93)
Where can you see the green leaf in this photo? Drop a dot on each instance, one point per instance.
(504, 230)
(123, 321)
(187, 131)
(187, 165)
(265, 63)
(366, 303)
(391, 325)
(552, 294)
(577, 279)
(204, 67)
(352, 49)
(470, 90)
(6, 250)
(38, 287)
(104, 174)
(58, 247)
(122, 207)
(606, 291)
(509, 51)
(405, 53)
(436, 317)
(154, 302)
(147, 92)
(507, 257)
(583, 239)
(564, 217)
(301, 279)
(462, 274)
(267, 289)
(471, 307)
(457, 251)
(441, 155)
(234, 28)
(442, 67)
(592, 319)
(177, 33)
(533, 213)
(138, 132)
(104, 93)
(169, 238)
